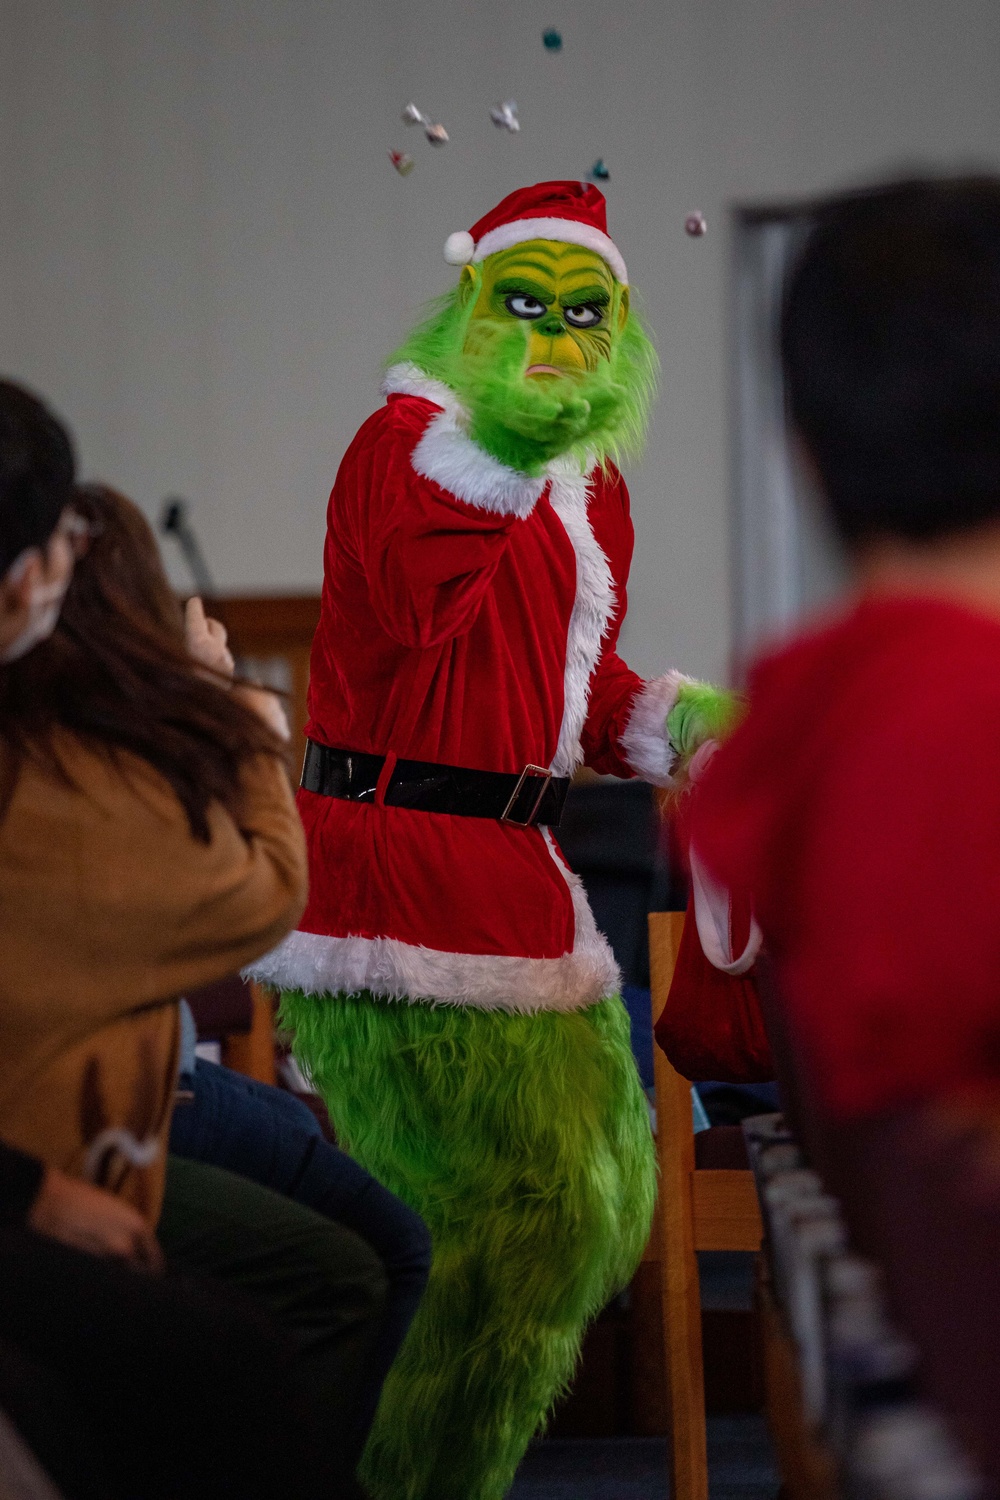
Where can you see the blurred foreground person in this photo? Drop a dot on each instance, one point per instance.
(146, 844)
(861, 796)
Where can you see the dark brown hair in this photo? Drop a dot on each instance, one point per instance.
(891, 349)
(116, 672)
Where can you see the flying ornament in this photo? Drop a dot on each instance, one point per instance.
(599, 172)
(436, 134)
(552, 40)
(695, 225)
(504, 116)
(402, 161)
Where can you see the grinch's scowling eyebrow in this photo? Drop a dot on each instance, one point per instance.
(448, 989)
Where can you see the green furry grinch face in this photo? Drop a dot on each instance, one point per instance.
(545, 354)
(566, 296)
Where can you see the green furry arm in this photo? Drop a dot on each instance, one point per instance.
(702, 712)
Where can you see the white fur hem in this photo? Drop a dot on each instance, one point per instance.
(320, 965)
(448, 456)
(645, 740)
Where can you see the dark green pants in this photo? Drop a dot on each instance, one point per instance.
(321, 1282)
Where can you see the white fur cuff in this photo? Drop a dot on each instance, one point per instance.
(645, 740)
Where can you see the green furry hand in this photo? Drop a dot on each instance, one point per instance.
(702, 712)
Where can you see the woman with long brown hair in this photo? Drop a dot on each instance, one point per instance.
(259, 1133)
(148, 845)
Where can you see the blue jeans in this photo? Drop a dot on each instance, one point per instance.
(272, 1138)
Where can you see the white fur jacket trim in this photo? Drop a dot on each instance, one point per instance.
(592, 608)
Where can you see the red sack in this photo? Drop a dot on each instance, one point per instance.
(711, 1027)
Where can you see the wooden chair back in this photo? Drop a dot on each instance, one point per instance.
(271, 639)
(697, 1210)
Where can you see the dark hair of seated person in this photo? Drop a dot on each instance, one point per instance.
(890, 342)
(116, 673)
(37, 471)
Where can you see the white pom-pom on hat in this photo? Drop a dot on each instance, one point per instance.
(459, 248)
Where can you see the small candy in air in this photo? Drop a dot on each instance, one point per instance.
(402, 162)
(413, 116)
(552, 40)
(504, 116)
(599, 172)
(436, 134)
(695, 225)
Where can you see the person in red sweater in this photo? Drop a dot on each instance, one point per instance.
(860, 798)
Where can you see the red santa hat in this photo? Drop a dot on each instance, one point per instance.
(572, 212)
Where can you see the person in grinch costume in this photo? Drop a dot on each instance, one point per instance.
(448, 990)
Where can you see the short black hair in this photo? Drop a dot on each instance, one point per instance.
(890, 341)
(37, 472)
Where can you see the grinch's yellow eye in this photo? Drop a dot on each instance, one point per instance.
(524, 306)
(584, 316)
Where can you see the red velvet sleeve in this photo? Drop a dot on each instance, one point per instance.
(613, 691)
(429, 558)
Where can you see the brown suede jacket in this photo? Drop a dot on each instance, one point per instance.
(109, 910)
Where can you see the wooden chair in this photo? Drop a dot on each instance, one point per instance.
(240, 1016)
(272, 638)
(698, 1209)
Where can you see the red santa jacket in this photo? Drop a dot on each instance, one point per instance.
(470, 616)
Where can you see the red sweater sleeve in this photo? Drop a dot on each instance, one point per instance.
(896, 960)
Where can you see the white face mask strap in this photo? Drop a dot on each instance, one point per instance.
(20, 565)
(43, 606)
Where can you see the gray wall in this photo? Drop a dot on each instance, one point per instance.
(204, 253)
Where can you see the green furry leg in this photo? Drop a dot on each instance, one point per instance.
(524, 1142)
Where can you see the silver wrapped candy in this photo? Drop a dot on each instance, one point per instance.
(504, 116)
(413, 116)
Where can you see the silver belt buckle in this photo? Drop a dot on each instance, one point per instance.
(529, 771)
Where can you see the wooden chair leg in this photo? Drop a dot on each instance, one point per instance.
(681, 1295)
(685, 1373)
(253, 1054)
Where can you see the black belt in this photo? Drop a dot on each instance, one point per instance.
(534, 796)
